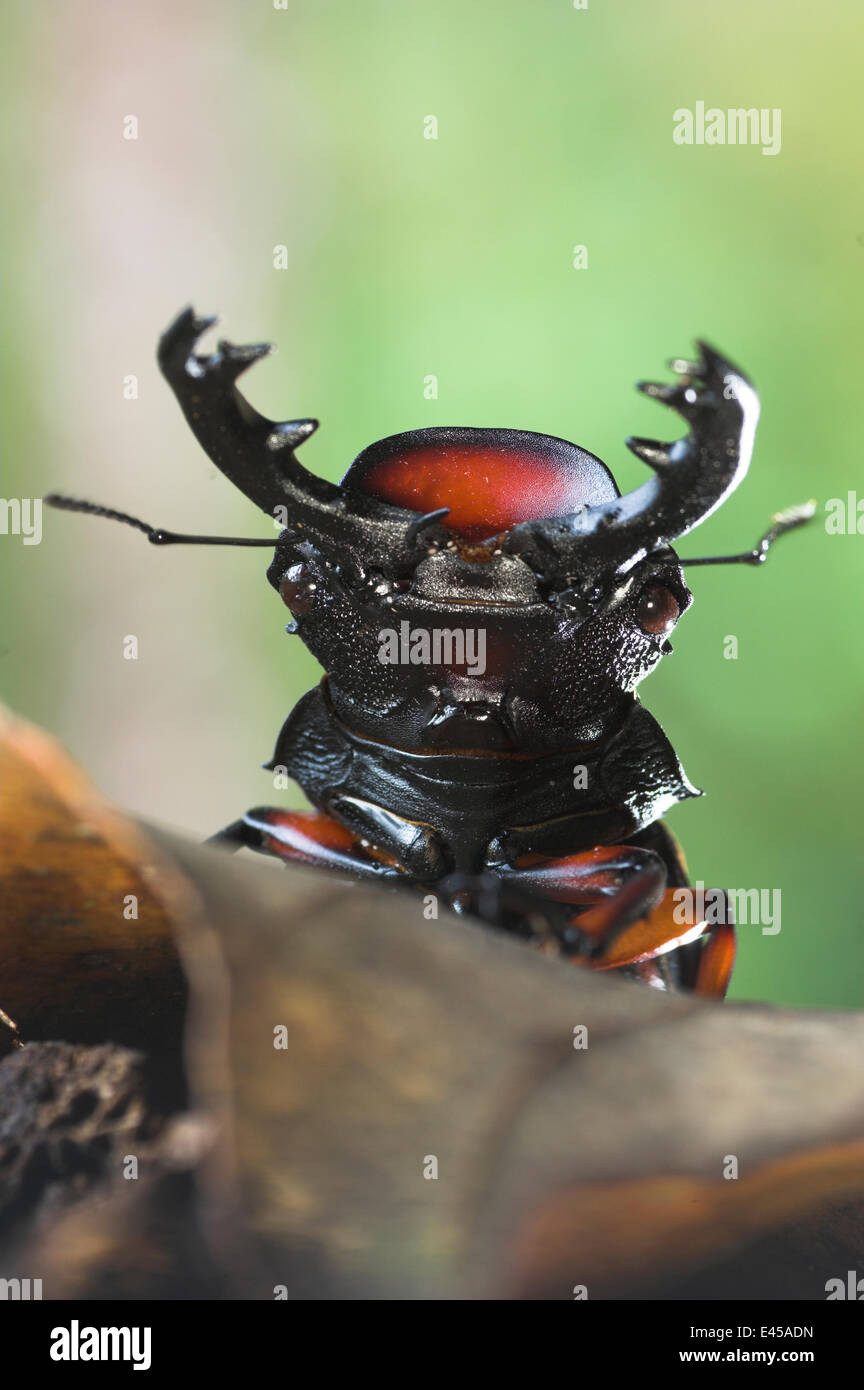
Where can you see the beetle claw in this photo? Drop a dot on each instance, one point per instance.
(289, 434)
(232, 359)
(658, 390)
(650, 451)
(176, 351)
(684, 366)
(681, 396)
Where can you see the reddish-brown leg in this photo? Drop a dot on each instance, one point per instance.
(627, 917)
(630, 918)
(306, 837)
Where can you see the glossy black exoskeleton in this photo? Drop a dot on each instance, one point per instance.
(484, 604)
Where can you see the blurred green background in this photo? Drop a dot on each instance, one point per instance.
(406, 256)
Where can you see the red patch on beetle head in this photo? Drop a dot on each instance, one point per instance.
(490, 479)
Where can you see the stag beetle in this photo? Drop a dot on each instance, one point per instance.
(525, 788)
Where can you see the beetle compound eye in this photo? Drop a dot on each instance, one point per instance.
(658, 610)
(298, 590)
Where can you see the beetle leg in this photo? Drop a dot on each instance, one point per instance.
(305, 837)
(629, 917)
(619, 938)
(716, 962)
(582, 879)
(412, 845)
(234, 836)
(625, 932)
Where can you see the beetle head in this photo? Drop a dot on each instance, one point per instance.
(556, 656)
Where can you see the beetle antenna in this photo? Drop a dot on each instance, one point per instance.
(781, 522)
(154, 534)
